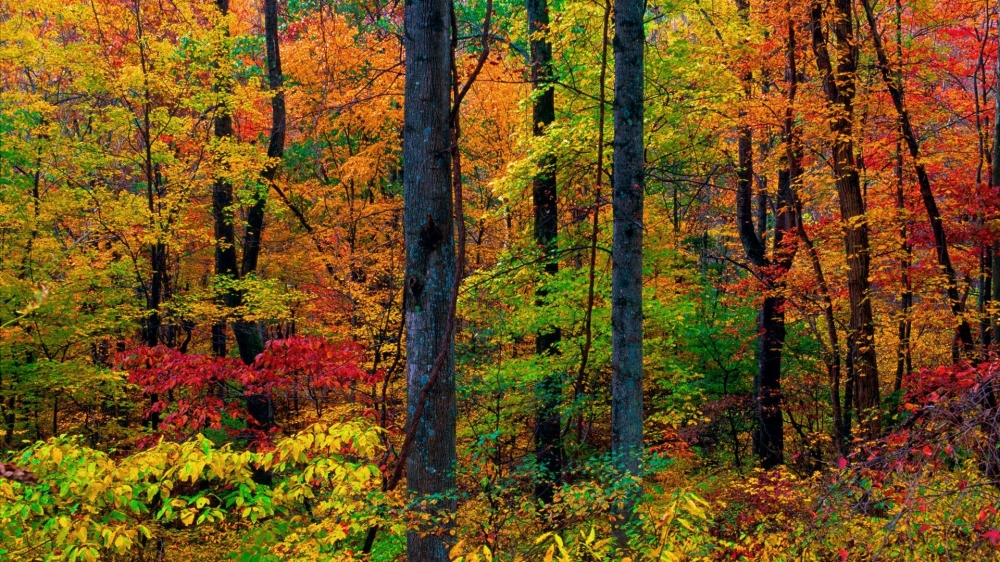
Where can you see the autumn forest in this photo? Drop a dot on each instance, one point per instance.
(512, 280)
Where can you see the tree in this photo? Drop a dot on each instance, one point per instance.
(628, 185)
(839, 86)
(430, 268)
(222, 192)
(548, 422)
(248, 338)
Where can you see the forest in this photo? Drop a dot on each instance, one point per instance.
(477, 280)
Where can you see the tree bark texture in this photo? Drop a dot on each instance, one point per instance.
(548, 422)
(839, 87)
(430, 267)
(222, 207)
(628, 181)
(248, 337)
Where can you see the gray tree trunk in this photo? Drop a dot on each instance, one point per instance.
(626, 272)
(430, 267)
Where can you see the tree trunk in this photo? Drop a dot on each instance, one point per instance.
(628, 184)
(964, 331)
(248, 336)
(222, 206)
(839, 88)
(548, 422)
(430, 268)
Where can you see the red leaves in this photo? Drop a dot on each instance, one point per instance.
(199, 391)
(931, 385)
(309, 362)
(992, 535)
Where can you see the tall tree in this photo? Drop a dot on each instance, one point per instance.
(769, 437)
(222, 194)
(248, 338)
(548, 423)
(628, 185)
(430, 266)
(839, 88)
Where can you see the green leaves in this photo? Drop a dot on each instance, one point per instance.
(87, 503)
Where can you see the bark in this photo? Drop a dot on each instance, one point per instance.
(964, 331)
(752, 240)
(430, 267)
(839, 89)
(769, 440)
(222, 209)
(905, 325)
(628, 182)
(248, 336)
(548, 393)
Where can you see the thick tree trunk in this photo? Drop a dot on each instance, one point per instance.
(839, 88)
(222, 208)
(548, 422)
(769, 440)
(430, 267)
(628, 182)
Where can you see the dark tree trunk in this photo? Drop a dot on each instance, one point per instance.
(430, 267)
(769, 440)
(627, 183)
(839, 87)
(548, 422)
(222, 208)
(152, 322)
(905, 324)
(248, 337)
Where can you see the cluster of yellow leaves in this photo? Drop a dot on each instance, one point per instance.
(88, 503)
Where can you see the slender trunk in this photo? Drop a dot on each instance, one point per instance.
(964, 331)
(548, 392)
(248, 336)
(222, 203)
(841, 430)
(628, 182)
(769, 440)
(839, 88)
(430, 268)
(905, 324)
(581, 376)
